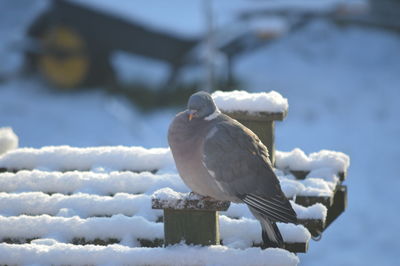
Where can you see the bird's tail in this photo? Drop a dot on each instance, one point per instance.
(268, 211)
(271, 235)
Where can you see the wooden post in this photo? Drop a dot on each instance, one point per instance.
(262, 124)
(194, 227)
(192, 220)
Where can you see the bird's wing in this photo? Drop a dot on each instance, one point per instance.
(239, 162)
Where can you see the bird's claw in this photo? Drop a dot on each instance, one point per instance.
(197, 195)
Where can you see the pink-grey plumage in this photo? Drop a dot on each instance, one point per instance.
(216, 156)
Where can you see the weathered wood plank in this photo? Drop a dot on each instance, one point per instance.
(191, 204)
(292, 247)
(302, 174)
(339, 205)
(297, 247)
(311, 200)
(315, 226)
(256, 116)
(301, 247)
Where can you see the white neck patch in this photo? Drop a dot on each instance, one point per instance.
(213, 115)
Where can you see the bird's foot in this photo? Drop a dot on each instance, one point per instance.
(197, 195)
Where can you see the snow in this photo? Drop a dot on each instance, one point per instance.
(316, 211)
(121, 227)
(313, 185)
(89, 182)
(317, 187)
(83, 205)
(71, 158)
(66, 228)
(247, 231)
(118, 184)
(168, 198)
(298, 160)
(8, 140)
(74, 213)
(168, 194)
(230, 101)
(50, 252)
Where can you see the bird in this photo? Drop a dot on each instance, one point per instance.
(218, 157)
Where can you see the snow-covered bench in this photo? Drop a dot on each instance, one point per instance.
(108, 190)
(43, 193)
(55, 198)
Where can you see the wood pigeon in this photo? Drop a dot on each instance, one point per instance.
(218, 157)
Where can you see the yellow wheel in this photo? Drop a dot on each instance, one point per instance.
(64, 62)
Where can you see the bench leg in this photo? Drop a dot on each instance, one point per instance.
(192, 226)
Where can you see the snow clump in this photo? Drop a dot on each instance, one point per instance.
(270, 102)
(8, 140)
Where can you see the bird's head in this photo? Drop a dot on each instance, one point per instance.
(201, 106)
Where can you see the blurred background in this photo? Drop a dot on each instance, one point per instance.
(96, 72)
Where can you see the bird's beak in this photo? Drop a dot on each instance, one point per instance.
(191, 114)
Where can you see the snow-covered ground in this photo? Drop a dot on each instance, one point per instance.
(342, 85)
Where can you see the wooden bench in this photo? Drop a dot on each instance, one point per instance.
(109, 186)
(48, 187)
(117, 186)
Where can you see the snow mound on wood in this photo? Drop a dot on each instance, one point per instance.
(89, 182)
(93, 158)
(8, 140)
(83, 205)
(316, 211)
(230, 101)
(298, 160)
(248, 231)
(49, 252)
(65, 229)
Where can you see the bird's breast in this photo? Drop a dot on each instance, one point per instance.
(186, 143)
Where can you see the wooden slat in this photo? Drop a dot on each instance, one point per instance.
(339, 205)
(311, 200)
(302, 174)
(315, 226)
(191, 204)
(300, 247)
(297, 247)
(256, 116)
